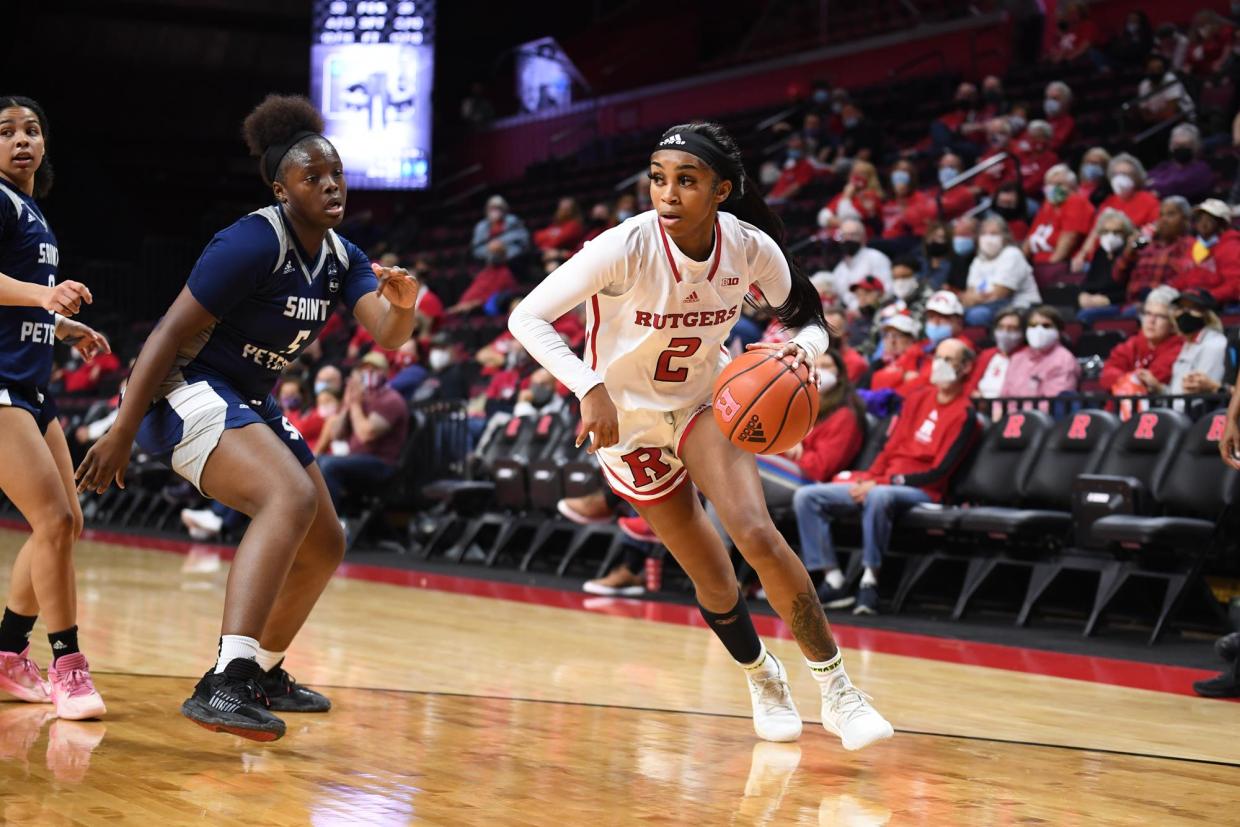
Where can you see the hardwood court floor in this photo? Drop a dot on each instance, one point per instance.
(461, 710)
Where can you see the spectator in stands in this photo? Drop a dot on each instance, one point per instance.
(1209, 44)
(292, 399)
(1184, 173)
(897, 336)
(1057, 107)
(565, 231)
(1130, 46)
(1033, 152)
(493, 279)
(375, 421)
(1009, 204)
(861, 198)
(1171, 44)
(1213, 261)
(1093, 174)
(428, 309)
(1144, 361)
(855, 364)
(953, 202)
(1126, 176)
(964, 248)
(1149, 261)
(994, 100)
(999, 141)
(799, 170)
(539, 396)
(937, 256)
(326, 405)
(858, 262)
(867, 297)
(987, 379)
(962, 130)
(934, 432)
(1102, 292)
(84, 376)
(601, 219)
(1203, 359)
(908, 288)
(862, 138)
(1046, 367)
(911, 370)
(834, 440)
(502, 226)
(999, 276)
(1078, 36)
(627, 206)
(1161, 96)
(908, 211)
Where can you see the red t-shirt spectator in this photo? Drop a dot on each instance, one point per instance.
(1219, 274)
(956, 202)
(390, 405)
(908, 215)
(1080, 36)
(1074, 215)
(868, 203)
(430, 306)
(1062, 127)
(917, 359)
(309, 425)
(562, 235)
(85, 377)
(1141, 207)
(794, 177)
(831, 445)
(998, 175)
(927, 443)
(1135, 353)
(855, 364)
(1203, 55)
(1034, 162)
(492, 279)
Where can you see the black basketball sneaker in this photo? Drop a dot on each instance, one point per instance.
(285, 694)
(234, 702)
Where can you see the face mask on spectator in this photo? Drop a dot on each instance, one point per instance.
(859, 182)
(439, 358)
(1189, 324)
(849, 123)
(1008, 340)
(1122, 184)
(942, 373)
(1182, 154)
(837, 107)
(903, 288)
(1111, 242)
(1092, 172)
(901, 178)
(827, 380)
(937, 249)
(998, 139)
(938, 331)
(540, 395)
(1051, 107)
(326, 409)
(1133, 27)
(291, 402)
(1207, 241)
(372, 379)
(792, 157)
(319, 387)
(1055, 193)
(1040, 338)
(990, 244)
(1018, 124)
(946, 174)
(495, 216)
(963, 245)
(850, 247)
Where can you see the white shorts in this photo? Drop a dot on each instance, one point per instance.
(644, 467)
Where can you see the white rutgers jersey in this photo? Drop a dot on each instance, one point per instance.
(656, 321)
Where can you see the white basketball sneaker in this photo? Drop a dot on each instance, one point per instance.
(775, 716)
(847, 712)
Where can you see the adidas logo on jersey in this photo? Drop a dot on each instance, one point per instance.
(692, 297)
(753, 431)
(672, 140)
(288, 267)
(30, 219)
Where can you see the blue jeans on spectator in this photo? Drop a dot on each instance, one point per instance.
(407, 381)
(1089, 315)
(354, 473)
(981, 315)
(814, 505)
(746, 330)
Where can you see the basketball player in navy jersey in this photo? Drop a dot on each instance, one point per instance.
(36, 472)
(200, 394)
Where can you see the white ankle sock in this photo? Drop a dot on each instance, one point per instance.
(235, 646)
(267, 659)
(762, 665)
(835, 578)
(870, 578)
(829, 673)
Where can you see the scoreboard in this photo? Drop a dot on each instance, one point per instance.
(372, 66)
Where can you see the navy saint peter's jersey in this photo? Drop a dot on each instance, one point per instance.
(269, 300)
(28, 253)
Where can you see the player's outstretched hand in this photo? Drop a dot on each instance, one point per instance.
(1229, 445)
(799, 356)
(599, 420)
(396, 285)
(66, 298)
(106, 461)
(87, 341)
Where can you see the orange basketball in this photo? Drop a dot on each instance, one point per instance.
(763, 405)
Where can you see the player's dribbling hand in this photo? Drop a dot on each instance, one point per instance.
(598, 420)
(1229, 445)
(396, 285)
(106, 461)
(66, 298)
(779, 351)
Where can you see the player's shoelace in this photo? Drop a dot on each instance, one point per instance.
(77, 683)
(27, 672)
(773, 693)
(849, 703)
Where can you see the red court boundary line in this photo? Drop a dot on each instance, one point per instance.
(1175, 680)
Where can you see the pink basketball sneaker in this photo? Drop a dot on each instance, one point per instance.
(73, 692)
(20, 677)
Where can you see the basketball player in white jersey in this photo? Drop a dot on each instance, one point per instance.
(662, 291)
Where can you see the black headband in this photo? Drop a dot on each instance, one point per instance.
(702, 146)
(274, 154)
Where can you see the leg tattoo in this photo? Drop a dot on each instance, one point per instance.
(809, 626)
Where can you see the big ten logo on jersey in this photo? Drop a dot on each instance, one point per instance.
(49, 254)
(731, 281)
(307, 310)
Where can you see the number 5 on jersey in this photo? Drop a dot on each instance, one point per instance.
(680, 348)
(302, 335)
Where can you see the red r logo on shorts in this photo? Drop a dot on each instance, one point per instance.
(1216, 428)
(643, 463)
(1145, 426)
(727, 405)
(1080, 424)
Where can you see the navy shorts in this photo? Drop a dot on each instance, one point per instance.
(184, 427)
(41, 406)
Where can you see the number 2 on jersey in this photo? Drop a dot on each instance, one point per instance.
(681, 348)
(302, 335)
